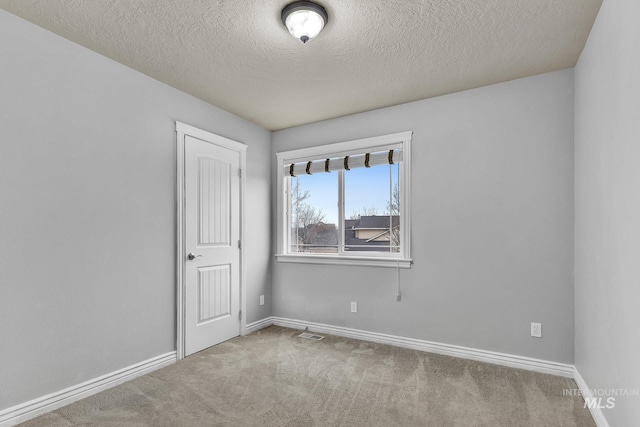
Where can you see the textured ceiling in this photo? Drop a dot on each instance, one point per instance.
(237, 55)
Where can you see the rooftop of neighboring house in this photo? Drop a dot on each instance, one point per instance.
(377, 224)
(372, 222)
(366, 233)
(318, 234)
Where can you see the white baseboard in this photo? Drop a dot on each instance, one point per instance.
(26, 411)
(596, 412)
(510, 360)
(260, 324)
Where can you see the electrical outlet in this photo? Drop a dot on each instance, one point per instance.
(536, 330)
(261, 299)
(354, 307)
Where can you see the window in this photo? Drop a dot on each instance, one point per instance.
(346, 203)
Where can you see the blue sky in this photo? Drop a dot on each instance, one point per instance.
(364, 188)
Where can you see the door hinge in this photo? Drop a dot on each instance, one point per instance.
(239, 244)
(240, 315)
(240, 173)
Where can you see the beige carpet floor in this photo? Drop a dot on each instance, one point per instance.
(274, 378)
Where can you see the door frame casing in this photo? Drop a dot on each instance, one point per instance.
(183, 130)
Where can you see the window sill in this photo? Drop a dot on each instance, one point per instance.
(346, 260)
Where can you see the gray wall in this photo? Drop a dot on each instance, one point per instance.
(492, 223)
(87, 194)
(607, 189)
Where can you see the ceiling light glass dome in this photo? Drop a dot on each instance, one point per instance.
(304, 19)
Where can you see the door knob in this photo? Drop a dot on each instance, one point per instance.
(193, 256)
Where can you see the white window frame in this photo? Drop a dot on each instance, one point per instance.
(401, 259)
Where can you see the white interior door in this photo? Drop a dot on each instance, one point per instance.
(211, 244)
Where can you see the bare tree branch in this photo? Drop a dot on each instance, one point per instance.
(306, 216)
(363, 212)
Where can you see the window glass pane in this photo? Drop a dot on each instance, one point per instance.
(314, 213)
(372, 209)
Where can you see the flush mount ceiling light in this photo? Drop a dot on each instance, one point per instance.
(304, 19)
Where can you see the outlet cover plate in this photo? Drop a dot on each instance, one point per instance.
(354, 307)
(536, 330)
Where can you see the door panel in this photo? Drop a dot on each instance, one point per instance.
(214, 213)
(212, 232)
(214, 292)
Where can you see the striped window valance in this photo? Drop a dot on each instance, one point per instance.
(344, 162)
